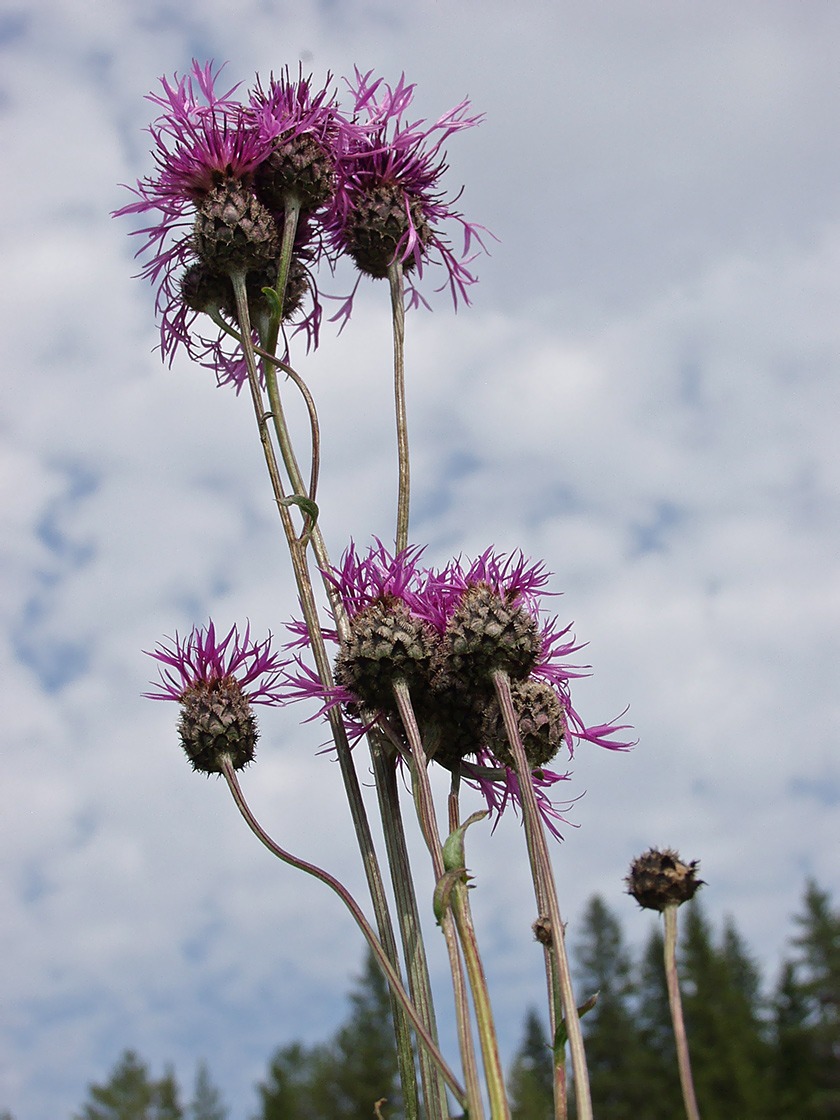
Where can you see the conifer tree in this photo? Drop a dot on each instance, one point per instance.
(207, 1100)
(343, 1079)
(613, 1044)
(131, 1094)
(730, 1058)
(531, 1081)
(817, 970)
(795, 1062)
(657, 1070)
(286, 1094)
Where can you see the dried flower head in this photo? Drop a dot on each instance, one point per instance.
(216, 681)
(659, 879)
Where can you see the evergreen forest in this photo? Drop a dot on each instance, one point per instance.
(758, 1052)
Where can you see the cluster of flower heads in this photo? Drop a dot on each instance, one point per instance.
(445, 632)
(366, 183)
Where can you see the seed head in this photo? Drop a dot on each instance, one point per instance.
(659, 878)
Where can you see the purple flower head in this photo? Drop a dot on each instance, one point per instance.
(204, 143)
(362, 580)
(202, 658)
(389, 205)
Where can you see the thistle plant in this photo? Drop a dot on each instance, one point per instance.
(257, 195)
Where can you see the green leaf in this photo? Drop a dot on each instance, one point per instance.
(561, 1035)
(453, 849)
(273, 301)
(309, 507)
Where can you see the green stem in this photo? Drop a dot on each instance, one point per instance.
(395, 278)
(408, 917)
(350, 779)
(499, 1109)
(291, 214)
(362, 922)
(675, 1002)
(546, 893)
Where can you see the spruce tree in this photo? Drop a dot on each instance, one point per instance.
(360, 1065)
(286, 1094)
(207, 1100)
(794, 1055)
(729, 1055)
(613, 1044)
(131, 1094)
(531, 1081)
(657, 1070)
(817, 970)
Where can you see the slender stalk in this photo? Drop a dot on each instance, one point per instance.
(362, 922)
(499, 1109)
(395, 278)
(291, 213)
(361, 825)
(546, 893)
(675, 1002)
(408, 919)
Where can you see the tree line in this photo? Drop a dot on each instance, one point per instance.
(756, 1055)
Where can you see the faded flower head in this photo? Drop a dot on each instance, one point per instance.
(659, 879)
(216, 681)
(388, 205)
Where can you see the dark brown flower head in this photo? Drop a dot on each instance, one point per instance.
(233, 230)
(659, 878)
(485, 632)
(387, 643)
(216, 720)
(542, 725)
(451, 722)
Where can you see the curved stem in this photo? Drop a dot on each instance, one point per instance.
(675, 1002)
(395, 278)
(546, 893)
(362, 922)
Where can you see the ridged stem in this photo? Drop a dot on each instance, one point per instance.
(395, 279)
(499, 1109)
(408, 919)
(675, 1003)
(361, 825)
(362, 922)
(546, 893)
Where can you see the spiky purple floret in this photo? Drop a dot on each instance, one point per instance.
(362, 580)
(387, 149)
(200, 138)
(201, 656)
(499, 787)
(522, 583)
(287, 109)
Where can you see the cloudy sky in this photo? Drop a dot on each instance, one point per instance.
(644, 394)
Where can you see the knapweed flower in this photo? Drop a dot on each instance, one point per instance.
(659, 879)
(444, 632)
(388, 205)
(216, 680)
(210, 222)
